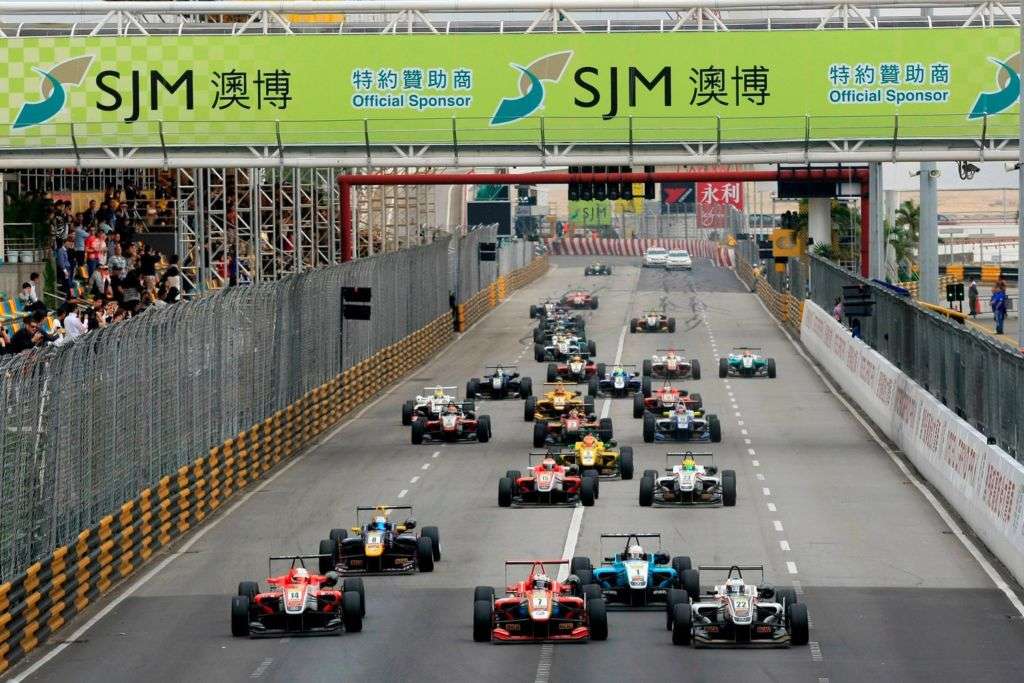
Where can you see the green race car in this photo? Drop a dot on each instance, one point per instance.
(744, 362)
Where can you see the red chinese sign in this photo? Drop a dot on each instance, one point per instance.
(714, 201)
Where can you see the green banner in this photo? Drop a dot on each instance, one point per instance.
(508, 89)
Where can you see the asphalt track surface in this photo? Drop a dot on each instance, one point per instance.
(892, 594)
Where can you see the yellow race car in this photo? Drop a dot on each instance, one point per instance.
(555, 403)
(602, 457)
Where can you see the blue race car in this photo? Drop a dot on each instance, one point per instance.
(618, 383)
(635, 578)
(682, 423)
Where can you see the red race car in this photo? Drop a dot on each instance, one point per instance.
(577, 369)
(570, 428)
(547, 483)
(298, 603)
(455, 422)
(578, 298)
(539, 609)
(663, 399)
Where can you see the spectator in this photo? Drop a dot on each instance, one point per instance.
(172, 276)
(92, 251)
(118, 263)
(65, 267)
(59, 225)
(172, 296)
(80, 236)
(151, 300)
(73, 323)
(998, 303)
(131, 290)
(106, 213)
(113, 240)
(26, 297)
(101, 248)
(147, 266)
(972, 298)
(855, 328)
(5, 343)
(37, 287)
(837, 310)
(90, 214)
(29, 336)
(99, 282)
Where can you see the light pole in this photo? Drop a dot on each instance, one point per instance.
(1020, 180)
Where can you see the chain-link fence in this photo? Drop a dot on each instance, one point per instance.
(974, 375)
(86, 426)
(474, 274)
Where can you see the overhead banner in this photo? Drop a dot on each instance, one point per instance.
(715, 201)
(479, 89)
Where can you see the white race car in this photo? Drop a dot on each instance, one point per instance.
(563, 346)
(430, 404)
(678, 259)
(689, 483)
(671, 366)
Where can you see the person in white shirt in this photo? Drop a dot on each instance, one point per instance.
(73, 325)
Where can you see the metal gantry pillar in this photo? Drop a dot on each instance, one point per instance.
(877, 228)
(928, 288)
(819, 219)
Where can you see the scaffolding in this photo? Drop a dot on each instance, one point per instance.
(393, 217)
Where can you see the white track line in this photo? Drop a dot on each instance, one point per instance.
(791, 567)
(414, 479)
(401, 494)
(766, 491)
(986, 566)
(778, 525)
(784, 545)
(755, 463)
(772, 508)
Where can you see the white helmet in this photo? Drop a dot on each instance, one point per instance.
(734, 586)
(634, 552)
(542, 582)
(300, 573)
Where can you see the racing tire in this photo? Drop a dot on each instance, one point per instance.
(729, 488)
(593, 387)
(587, 271)
(633, 324)
(540, 434)
(538, 335)
(638, 406)
(786, 597)
(653, 474)
(723, 367)
(586, 577)
(418, 430)
(648, 367)
(505, 492)
(248, 589)
(715, 428)
(425, 554)
(646, 491)
(483, 620)
(338, 535)
(697, 400)
(626, 462)
(799, 628)
(671, 324)
(682, 625)
(327, 547)
(694, 368)
(650, 427)
(691, 583)
(771, 368)
(240, 616)
(591, 591)
(514, 475)
(579, 562)
(672, 598)
(645, 386)
(552, 372)
(407, 413)
(597, 616)
(534, 311)
(355, 585)
(469, 406)
(538, 353)
(592, 345)
(588, 491)
(483, 428)
(352, 612)
(434, 535)
(471, 387)
(680, 563)
(588, 405)
(593, 303)
(601, 369)
(608, 270)
(578, 322)
(529, 408)
(605, 430)
(483, 593)
(526, 387)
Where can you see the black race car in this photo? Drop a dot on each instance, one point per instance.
(503, 382)
(598, 268)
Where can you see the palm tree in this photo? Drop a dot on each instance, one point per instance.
(908, 215)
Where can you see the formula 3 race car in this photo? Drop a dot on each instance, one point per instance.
(553, 404)
(576, 369)
(653, 321)
(743, 362)
(599, 455)
(736, 613)
(502, 382)
(546, 308)
(380, 546)
(689, 483)
(682, 424)
(538, 610)
(428, 405)
(617, 383)
(597, 268)
(579, 298)
(664, 399)
(563, 346)
(456, 423)
(570, 428)
(635, 578)
(559, 322)
(298, 603)
(548, 483)
(671, 366)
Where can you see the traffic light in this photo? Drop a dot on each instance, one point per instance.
(586, 188)
(600, 189)
(649, 186)
(574, 188)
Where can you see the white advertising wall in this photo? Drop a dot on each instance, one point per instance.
(981, 482)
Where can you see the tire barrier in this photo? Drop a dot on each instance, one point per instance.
(579, 246)
(486, 299)
(53, 591)
(785, 307)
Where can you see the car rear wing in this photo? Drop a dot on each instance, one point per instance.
(747, 348)
(371, 508)
(540, 455)
(738, 568)
(683, 454)
(676, 350)
(505, 366)
(291, 558)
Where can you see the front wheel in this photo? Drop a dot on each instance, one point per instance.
(552, 374)
(588, 491)
(593, 386)
(799, 626)
(650, 427)
(671, 324)
(418, 431)
(647, 492)
(471, 387)
(682, 624)
(483, 619)
(407, 408)
(626, 462)
(352, 612)
(715, 428)
(529, 408)
(434, 535)
(240, 616)
(592, 347)
(723, 367)
(638, 406)
(771, 368)
(645, 387)
(540, 434)
(648, 367)
(425, 554)
(483, 428)
(694, 368)
(597, 611)
(633, 324)
(355, 585)
(504, 492)
(728, 488)
(526, 387)
(327, 547)
(605, 429)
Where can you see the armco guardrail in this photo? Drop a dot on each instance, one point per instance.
(55, 589)
(980, 481)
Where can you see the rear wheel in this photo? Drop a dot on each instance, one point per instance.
(579, 562)
(592, 346)
(728, 488)
(338, 535)
(691, 583)
(240, 616)
(646, 491)
(588, 404)
(418, 430)
(601, 369)
(483, 619)
(425, 554)
(352, 612)
(648, 367)
(653, 474)
(540, 434)
(626, 462)
(434, 535)
(799, 628)
(588, 488)
(682, 625)
(591, 591)
(483, 428)
(327, 548)
(249, 589)
(593, 386)
(786, 597)
(593, 302)
(680, 563)
(407, 413)
(715, 428)
(697, 401)
(645, 387)
(471, 387)
(604, 429)
(671, 324)
(597, 611)
(633, 324)
(533, 311)
(513, 475)
(526, 387)
(529, 408)
(638, 405)
(586, 577)
(355, 585)
(552, 372)
(673, 598)
(538, 334)
(538, 353)
(771, 368)
(723, 367)
(650, 427)
(505, 492)
(694, 368)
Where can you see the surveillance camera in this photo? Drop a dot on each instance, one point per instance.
(934, 173)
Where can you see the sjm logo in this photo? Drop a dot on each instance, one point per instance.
(1008, 80)
(52, 88)
(549, 68)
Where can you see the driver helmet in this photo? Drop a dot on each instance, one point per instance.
(379, 523)
(438, 392)
(689, 464)
(542, 582)
(589, 441)
(452, 408)
(747, 352)
(574, 413)
(577, 359)
(618, 370)
(670, 354)
(548, 464)
(634, 552)
(300, 574)
(681, 407)
(734, 586)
